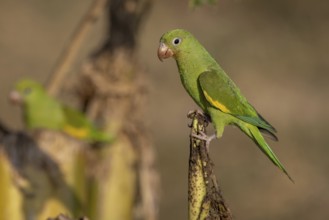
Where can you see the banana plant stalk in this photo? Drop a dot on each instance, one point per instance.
(204, 194)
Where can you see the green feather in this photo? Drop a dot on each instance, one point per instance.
(259, 140)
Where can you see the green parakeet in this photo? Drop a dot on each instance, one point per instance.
(215, 93)
(42, 111)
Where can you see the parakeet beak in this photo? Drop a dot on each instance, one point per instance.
(15, 97)
(164, 52)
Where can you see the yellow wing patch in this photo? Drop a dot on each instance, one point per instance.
(81, 133)
(216, 103)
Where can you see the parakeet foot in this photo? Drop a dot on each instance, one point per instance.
(204, 137)
(193, 113)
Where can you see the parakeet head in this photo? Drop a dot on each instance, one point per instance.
(176, 43)
(25, 91)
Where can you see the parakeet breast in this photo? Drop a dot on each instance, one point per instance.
(43, 113)
(189, 71)
(191, 86)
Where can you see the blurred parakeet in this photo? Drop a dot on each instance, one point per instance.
(212, 89)
(42, 111)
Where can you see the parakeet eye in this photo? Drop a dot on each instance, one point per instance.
(176, 41)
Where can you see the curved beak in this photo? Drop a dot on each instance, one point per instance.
(164, 52)
(15, 97)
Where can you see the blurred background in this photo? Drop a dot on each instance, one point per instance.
(275, 51)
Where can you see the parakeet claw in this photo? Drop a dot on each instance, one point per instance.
(202, 136)
(191, 113)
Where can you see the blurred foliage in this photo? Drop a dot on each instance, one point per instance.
(43, 173)
(56, 173)
(10, 199)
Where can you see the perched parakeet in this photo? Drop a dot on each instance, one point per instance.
(215, 93)
(42, 111)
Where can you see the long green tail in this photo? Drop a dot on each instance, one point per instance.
(254, 133)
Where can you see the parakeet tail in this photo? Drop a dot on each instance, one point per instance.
(98, 136)
(254, 133)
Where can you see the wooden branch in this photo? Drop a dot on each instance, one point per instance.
(204, 194)
(70, 51)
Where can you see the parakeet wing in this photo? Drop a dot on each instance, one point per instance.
(75, 123)
(222, 94)
(78, 125)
